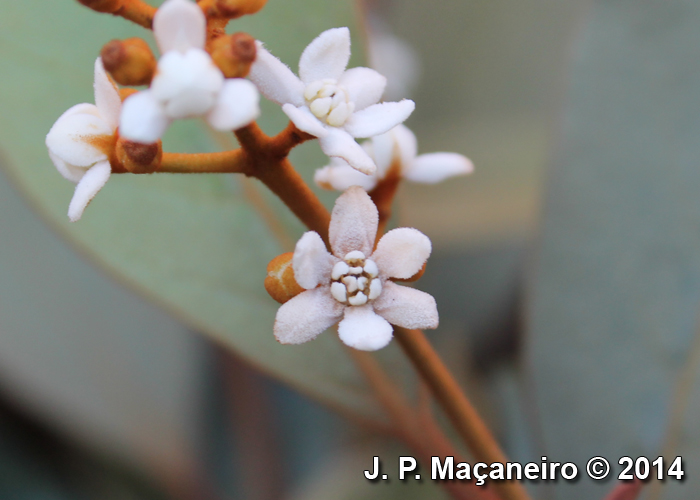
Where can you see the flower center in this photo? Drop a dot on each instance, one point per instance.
(329, 101)
(355, 280)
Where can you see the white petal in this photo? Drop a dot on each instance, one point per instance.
(399, 140)
(107, 97)
(364, 85)
(338, 143)
(406, 307)
(305, 316)
(326, 57)
(69, 138)
(93, 180)
(305, 120)
(436, 167)
(142, 119)
(68, 171)
(82, 109)
(179, 25)
(340, 176)
(353, 223)
(237, 106)
(275, 80)
(180, 72)
(379, 118)
(402, 252)
(312, 263)
(362, 329)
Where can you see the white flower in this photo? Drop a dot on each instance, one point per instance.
(353, 284)
(329, 102)
(81, 140)
(397, 145)
(187, 82)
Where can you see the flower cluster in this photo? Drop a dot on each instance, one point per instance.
(202, 72)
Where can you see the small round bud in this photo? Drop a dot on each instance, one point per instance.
(237, 8)
(234, 54)
(130, 62)
(139, 158)
(280, 282)
(109, 6)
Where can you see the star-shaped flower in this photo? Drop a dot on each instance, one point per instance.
(82, 139)
(396, 147)
(329, 102)
(187, 82)
(352, 284)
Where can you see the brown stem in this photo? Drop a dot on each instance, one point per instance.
(458, 408)
(234, 161)
(137, 11)
(383, 195)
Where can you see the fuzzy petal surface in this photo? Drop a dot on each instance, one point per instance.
(402, 252)
(398, 141)
(106, 96)
(364, 85)
(142, 119)
(68, 171)
(362, 329)
(275, 80)
(93, 180)
(432, 168)
(325, 57)
(379, 118)
(340, 176)
(307, 315)
(312, 263)
(69, 138)
(353, 223)
(238, 105)
(338, 143)
(179, 25)
(406, 307)
(305, 120)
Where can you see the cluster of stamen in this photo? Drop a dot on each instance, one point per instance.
(355, 280)
(329, 101)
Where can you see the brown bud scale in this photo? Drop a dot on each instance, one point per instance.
(280, 282)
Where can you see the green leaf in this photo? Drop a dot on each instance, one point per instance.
(614, 304)
(194, 244)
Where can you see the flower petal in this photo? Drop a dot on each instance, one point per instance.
(338, 143)
(305, 120)
(275, 80)
(69, 138)
(68, 171)
(305, 316)
(93, 180)
(179, 25)
(362, 329)
(142, 119)
(379, 118)
(312, 263)
(406, 307)
(353, 223)
(340, 176)
(107, 97)
(238, 105)
(399, 140)
(402, 252)
(365, 86)
(325, 57)
(436, 167)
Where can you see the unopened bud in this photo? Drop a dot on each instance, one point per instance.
(139, 158)
(280, 282)
(234, 54)
(413, 278)
(130, 62)
(110, 6)
(237, 8)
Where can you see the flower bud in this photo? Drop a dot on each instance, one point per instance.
(139, 158)
(237, 8)
(234, 54)
(109, 6)
(130, 62)
(280, 282)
